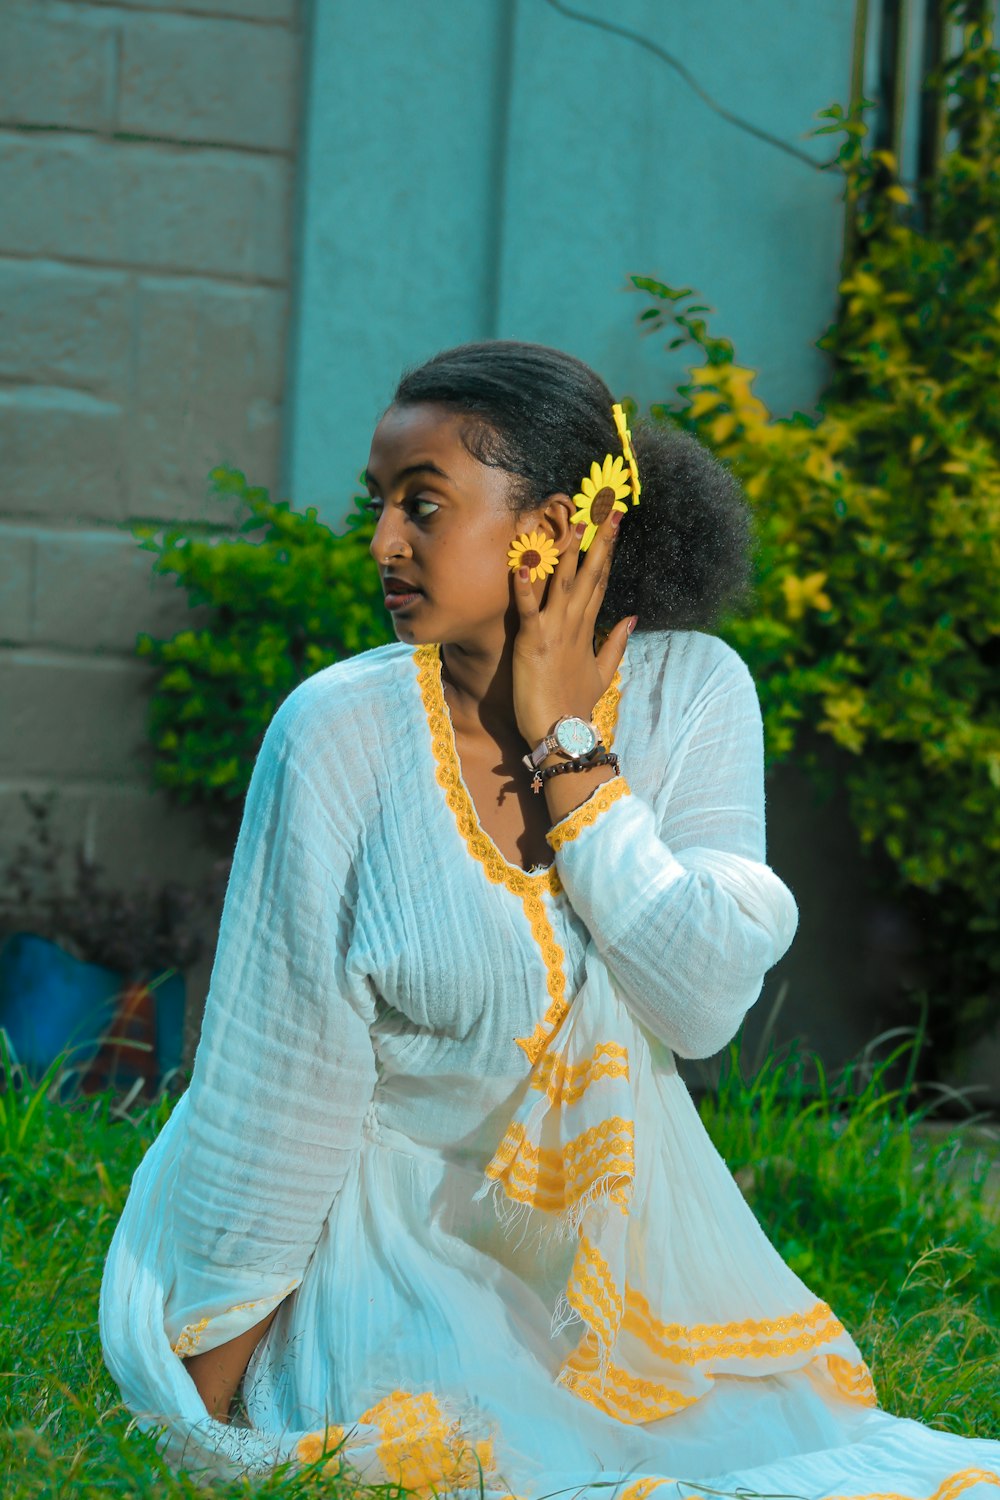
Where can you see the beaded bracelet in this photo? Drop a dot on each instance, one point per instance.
(609, 758)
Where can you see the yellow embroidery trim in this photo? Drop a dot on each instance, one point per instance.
(587, 812)
(853, 1381)
(701, 1342)
(421, 1450)
(767, 1339)
(955, 1484)
(555, 1180)
(948, 1490)
(591, 1291)
(566, 1083)
(190, 1335)
(624, 1396)
(643, 1487)
(313, 1446)
(528, 886)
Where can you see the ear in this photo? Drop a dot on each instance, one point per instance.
(556, 511)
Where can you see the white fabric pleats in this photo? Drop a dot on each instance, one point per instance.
(436, 1124)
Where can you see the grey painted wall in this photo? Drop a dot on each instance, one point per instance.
(147, 155)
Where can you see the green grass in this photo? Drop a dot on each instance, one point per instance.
(890, 1221)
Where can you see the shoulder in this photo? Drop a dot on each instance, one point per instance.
(683, 668)
(340, 701)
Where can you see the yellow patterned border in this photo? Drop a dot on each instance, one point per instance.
(312, 1447)
(526, 884)
(421, 1449)
(191, 1334)
(591, 1291)
(556, 1180)
(643, 1487)
(566, 1083)
(449, 772)
(623, 1396)
(751, 1339)
(853, 1381)
(948, 1489)
(588, 812)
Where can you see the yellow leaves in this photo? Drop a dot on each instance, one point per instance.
(843, 721)
(918, 442)
(819, 465)
(738, 378)
(756, 484)
(723, 428)
(703, 403)
(993, 768)
(727, 385)
(884, 331)
(804, 593)
(863, 282)
(897, 194)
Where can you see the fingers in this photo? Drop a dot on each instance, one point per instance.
(527, 600)
(569, 562)
(597, 571)
(567, 590)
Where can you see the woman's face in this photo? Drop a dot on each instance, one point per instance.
(443, 526)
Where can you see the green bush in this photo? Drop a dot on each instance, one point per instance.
(285, 604)
(876, 626)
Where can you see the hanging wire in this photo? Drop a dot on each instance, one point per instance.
(692, 83)
(672, 62)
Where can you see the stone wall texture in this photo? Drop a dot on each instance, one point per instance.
(147, 155)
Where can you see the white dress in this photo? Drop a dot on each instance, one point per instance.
(435, 1115)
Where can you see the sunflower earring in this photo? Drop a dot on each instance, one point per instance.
(534, 550)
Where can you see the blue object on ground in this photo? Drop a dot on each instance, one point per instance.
(51, 1002)
(168, 1002)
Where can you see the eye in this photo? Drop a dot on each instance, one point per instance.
(370, 505)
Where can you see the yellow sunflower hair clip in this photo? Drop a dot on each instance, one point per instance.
(608, 485)
(605, 489)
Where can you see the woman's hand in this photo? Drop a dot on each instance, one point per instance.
(555, 670)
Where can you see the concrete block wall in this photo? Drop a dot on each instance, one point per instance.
(147, 153)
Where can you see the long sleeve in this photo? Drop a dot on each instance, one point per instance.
(681, 905)
(285, 1068)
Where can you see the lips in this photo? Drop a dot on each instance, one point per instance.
(391, 585)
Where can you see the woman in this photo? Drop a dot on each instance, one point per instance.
(437, 1204)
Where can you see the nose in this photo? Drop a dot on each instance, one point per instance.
(386, 540)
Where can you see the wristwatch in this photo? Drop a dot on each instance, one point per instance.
(571, 737)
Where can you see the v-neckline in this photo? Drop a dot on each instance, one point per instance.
(448, 767)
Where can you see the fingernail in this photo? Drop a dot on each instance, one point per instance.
(616, 519)
(522, 572)
(633, 623)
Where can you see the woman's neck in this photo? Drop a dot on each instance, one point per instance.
(480, 685)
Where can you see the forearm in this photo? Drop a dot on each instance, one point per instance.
(688, 942)
(569, 791)
(217, 1372)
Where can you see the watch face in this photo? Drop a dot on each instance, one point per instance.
(575, 736)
